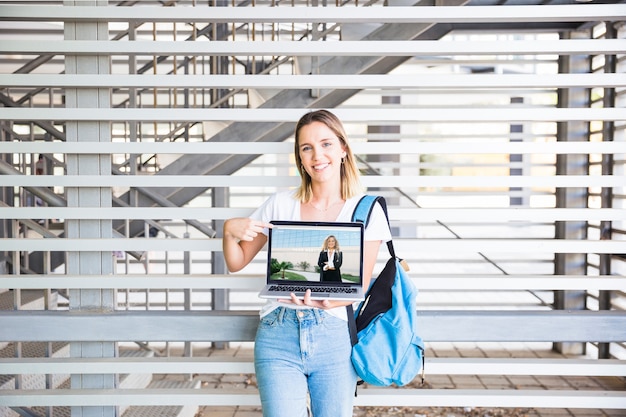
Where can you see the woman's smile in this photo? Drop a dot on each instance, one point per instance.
(321, 167)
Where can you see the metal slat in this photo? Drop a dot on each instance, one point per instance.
(422, 14)
(404, 147)
(254, 282)
(477, 182)
(418, 215)
(219, 365)
(492, 398)
(335, 81)
(523, 366)
(421, 245)
(142, 213)
(389, 397)
(152, 281)
(320, 48)
(479, 215)
(388, 114)
(382, 181)
(240, 326)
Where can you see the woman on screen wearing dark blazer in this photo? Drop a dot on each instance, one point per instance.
(330, 260)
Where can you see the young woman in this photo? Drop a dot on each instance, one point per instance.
(330, 260)
(302, 346)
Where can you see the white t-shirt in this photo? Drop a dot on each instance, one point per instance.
(284, 206)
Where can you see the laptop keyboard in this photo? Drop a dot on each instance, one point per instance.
(300, 288)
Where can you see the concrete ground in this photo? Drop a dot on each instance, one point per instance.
(492, 350)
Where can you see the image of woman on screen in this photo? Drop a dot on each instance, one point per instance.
(330, 260)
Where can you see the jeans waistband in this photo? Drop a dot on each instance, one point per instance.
(300, 314)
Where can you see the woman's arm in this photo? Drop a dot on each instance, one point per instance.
(320, 261)
(339, 260)
(370, 254)
(243, 239)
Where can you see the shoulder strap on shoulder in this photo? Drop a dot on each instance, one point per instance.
(363, 211)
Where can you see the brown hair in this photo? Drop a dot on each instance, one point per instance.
(325, 244)
(350, 182)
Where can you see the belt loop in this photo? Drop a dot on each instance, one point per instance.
(281, 314)
(318, 315)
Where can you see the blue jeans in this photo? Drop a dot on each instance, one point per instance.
(300, 353)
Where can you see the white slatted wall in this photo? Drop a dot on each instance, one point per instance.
(464, 138)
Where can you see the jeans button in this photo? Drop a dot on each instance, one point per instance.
(300, 314)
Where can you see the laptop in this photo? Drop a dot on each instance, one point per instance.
(297, 260)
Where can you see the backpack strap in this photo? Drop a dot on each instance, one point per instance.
(361, 214)
(364, 207)
(363, 211)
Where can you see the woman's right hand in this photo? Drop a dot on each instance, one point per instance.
(244, 228)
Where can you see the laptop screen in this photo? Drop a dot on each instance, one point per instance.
(315, 252)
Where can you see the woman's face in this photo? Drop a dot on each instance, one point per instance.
(320, 152)
(331, 243)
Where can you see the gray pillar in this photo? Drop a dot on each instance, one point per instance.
(572, 131)
(606, 226)
(89, 262)
(7, 195)
(219, 297)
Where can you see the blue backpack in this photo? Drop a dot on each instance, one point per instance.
(386, 348)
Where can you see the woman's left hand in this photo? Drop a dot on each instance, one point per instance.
(307, 301)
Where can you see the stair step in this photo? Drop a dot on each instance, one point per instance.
(165, 411)
(62, 381)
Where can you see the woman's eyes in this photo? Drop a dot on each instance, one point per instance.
(307, 148)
